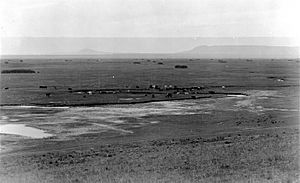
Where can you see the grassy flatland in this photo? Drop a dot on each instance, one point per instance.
(221, 146)
(271, 156)
(245, 148)
(82, 74)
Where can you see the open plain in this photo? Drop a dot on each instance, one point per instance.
(146, 120)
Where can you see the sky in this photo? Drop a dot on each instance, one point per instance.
(22, 21)
(149, 18)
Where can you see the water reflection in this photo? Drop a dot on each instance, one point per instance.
(23, 130)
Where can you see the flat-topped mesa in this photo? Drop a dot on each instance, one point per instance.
(17, 71)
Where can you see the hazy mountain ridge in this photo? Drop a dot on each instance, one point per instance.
(158, 45)
(218, 51)
(88, 51)
(243, 51)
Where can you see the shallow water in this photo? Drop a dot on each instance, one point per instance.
(23, 130)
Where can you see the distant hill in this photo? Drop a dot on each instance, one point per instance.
(221, 51)
(229, 51)
(242, 52)
(126, 45)
(88, 51)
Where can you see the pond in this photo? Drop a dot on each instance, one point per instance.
(21, 129)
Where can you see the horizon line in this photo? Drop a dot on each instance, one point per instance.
(234, 37)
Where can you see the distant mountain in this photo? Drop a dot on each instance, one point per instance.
(88, 51)
(243, 51)
(217, 51)
(229, 51)
(124, 45)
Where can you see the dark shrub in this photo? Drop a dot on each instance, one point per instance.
(17, 71)
(181, 66)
